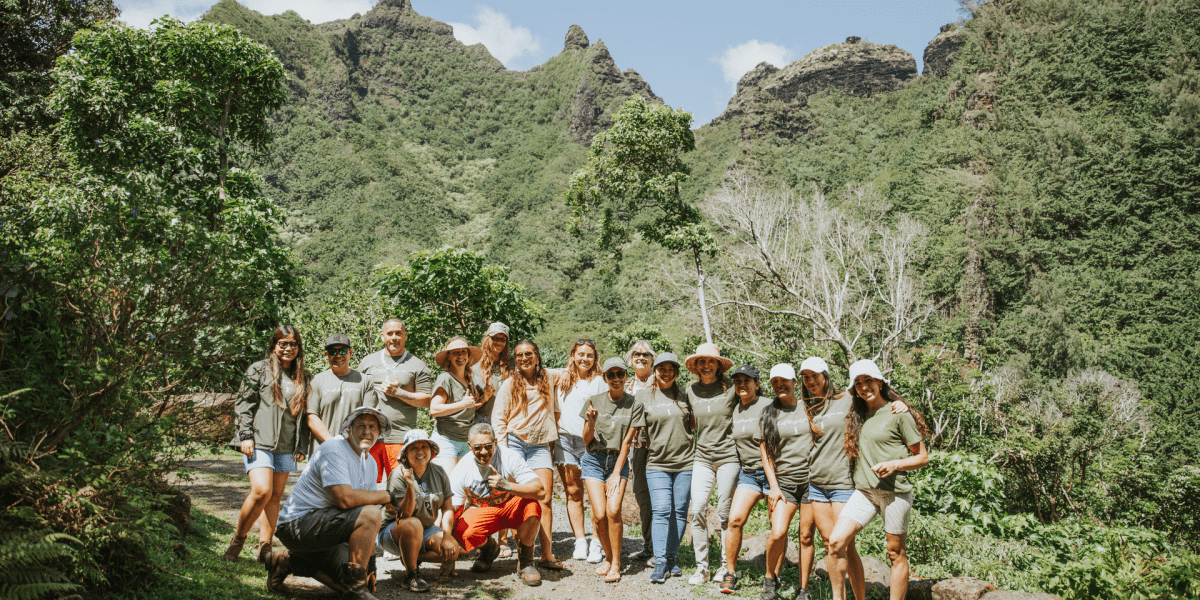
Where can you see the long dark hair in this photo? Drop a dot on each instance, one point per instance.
(812, 404)
(858, 415)
(492, 359)
(541, 379)
(297, 372)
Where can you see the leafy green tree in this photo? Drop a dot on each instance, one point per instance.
(449, 292)
(634, 171)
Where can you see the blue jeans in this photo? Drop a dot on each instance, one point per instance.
(670, 494)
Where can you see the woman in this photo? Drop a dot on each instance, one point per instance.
(525, 418)
(424, 506)
(641, 356)
(491, 371)
(607, 433)
(715, 463)
(752, 479)
(455, 398)
(787, 441)
(664, 413)
(830, 480)
(272, 433)
(882, 446)
(576, 384)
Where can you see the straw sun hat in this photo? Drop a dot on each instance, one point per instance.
(443, 358)
(707, 351)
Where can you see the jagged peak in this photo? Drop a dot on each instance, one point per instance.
(752, 77)
(400, 4)
(576, 39)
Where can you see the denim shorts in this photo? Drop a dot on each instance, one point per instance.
(537, 456)
(280, 463)
(818, 494)
(388, 543)
(755, 482)
(599, 465)
(448, 447)
(569, 450)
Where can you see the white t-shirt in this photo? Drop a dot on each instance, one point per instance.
(334, 463)
(469, 475)
(571, 404)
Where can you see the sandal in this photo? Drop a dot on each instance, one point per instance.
(235, 548)
(553, 565)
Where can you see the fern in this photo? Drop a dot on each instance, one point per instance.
(25, 573)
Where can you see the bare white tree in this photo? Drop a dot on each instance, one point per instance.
(847, 274)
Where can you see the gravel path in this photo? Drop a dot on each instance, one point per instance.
(218, 485)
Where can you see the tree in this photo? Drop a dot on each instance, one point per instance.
(443, 293)
(634, 171)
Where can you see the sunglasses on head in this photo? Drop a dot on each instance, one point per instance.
(587, 341)
(342, 351)
(482, 447)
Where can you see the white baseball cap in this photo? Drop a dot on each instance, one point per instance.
(866, 367)
(816, 364)
(783, 370)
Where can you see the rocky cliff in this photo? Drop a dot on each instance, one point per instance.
(940, 52)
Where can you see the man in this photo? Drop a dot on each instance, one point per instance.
(329, 523)
(495, 491)
(402, 384)
(339, 391)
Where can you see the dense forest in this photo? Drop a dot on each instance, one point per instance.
(1046, 181)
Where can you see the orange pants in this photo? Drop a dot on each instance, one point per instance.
(387, 457)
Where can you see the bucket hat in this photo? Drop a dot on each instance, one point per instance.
(385, 425)
(414, 436)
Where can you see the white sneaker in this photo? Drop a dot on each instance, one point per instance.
(699, 577)
(581, 549)
(595, 552)
(720, 574)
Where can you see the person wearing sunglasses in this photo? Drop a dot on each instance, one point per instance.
(607, 433)
(336, 391)
(576, 384)
(641, 358)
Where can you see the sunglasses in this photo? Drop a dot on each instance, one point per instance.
(337, 351)
(587, 341)
(288, 344)
(482, 447)
(642, 355)
(615, 375)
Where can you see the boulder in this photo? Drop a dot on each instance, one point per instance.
(953, 588)
(941, 51)
(875, 571)
(1015, 595)
(754, 550)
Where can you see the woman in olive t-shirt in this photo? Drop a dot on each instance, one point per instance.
(455, 398)
(664, 412)
(752, 480)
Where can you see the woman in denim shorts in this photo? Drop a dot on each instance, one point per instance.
(882, 445)
(607, 433)
(752, 480)
(456, 396)
(576, 384)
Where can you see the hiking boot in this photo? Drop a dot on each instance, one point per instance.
(646, 553)
(673, 569)
(279, 566)
(235, 548)
(487, 555)
(413, 581)
(529, 573)
(354, 578)
(801, 594)
(660, 572)
(770, 590)
(264, 552)
(729, 583)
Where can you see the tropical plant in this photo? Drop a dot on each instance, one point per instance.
(25, 566)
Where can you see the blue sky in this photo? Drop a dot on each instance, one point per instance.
(691, 53)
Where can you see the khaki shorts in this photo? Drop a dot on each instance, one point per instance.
(865, 504)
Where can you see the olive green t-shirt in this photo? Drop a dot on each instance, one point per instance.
(796, 443)
(478, 379)
(434, 489)
(829, 466)
(666, 425)
(713, 407)
(885, 436)
(612, 420)
(413, 375)
(457, 425)
(747, 433)
(336, 397)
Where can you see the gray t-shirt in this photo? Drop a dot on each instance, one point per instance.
(713, 406)
(885, 436)
(432, 490)
(829, 467)
(335, 463)
(612, 420)
(336, 397)
(666, 424)
(412, 374)
(747, 433)
(457, 425)
(796, 443)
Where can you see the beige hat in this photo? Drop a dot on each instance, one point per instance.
(707, 351)
(443, 357)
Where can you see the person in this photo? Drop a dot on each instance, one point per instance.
(455, 398)
(641, 356)
(329, 522)
(422, 492)
(577, 383)
(496, 363)
(715, 463)
(272, 433)
(830, 480)
(607, 433)
(787, 441)
(882, 445)
(524, 419)
(752, 479)
(496, 491)
(403, 384)
(664, 412)
(336, 391)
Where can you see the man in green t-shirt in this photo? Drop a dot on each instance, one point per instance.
(403, 384)
(336, 391)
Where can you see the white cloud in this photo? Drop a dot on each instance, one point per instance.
(497, 34)
(139, 13)
(741, 58)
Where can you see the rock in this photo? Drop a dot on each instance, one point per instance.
(854, 39)
(598, 86)
(400, 4)
(940, 52)
(953, 588)
(178, 510)
(755, 76)
(1015, 595)
(576, 39)
(638, 86)
(754, 550)
(875, 571)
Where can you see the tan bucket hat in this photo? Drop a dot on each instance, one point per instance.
(442, 358)
(707, 351)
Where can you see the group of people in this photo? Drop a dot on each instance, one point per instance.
(504, 424)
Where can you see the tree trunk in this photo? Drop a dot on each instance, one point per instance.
(700, 289)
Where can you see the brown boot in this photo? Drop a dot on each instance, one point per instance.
(529, 573)
(279, 566)
(487, 555)
(354, 577)
(235, 548)
(264, 552)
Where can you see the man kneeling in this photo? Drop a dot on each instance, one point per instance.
(328, 524)
(495, 491)
(422, 491)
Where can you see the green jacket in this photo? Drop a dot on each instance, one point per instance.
(258, 415)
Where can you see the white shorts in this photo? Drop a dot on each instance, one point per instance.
(865, 504)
